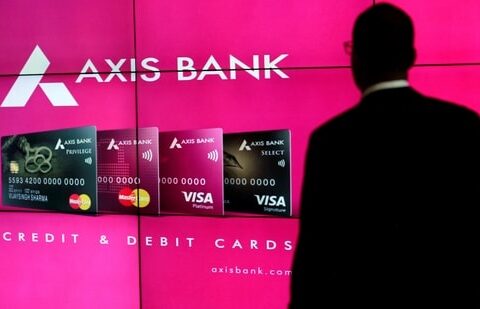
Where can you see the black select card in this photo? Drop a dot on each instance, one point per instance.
(257, 176)
(54, 170)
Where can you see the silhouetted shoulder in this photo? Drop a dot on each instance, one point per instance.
(397, 111)
(449, 109)
(446, 117)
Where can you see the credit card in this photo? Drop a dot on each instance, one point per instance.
(54, 170)
(257, 172)
(128, 171)
(191, 172)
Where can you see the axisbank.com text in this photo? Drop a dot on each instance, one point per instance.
(237, 270)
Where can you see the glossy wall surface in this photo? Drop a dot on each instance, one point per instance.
(180, 65)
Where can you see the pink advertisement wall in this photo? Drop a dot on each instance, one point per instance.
(180, 65)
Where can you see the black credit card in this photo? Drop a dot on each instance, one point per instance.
(257, 173)
(54, 170)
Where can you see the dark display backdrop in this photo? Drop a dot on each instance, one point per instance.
(183, 261)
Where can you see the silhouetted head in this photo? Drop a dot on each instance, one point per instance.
(382, 45)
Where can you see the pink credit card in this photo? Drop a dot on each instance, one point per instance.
(128, 171)
(191, 172)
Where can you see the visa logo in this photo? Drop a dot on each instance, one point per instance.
(270, 200)
(197, 197)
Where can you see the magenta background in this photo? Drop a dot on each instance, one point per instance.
(181, 277)
(446, 31)
(82, 275)
(311, 32)
(68, 32)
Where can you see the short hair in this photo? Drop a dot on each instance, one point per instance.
(383, 38)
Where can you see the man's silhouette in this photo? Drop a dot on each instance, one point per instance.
(390, 202)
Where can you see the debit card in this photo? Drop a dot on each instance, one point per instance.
(54, 170)
(191, 172)
(128, 171)
(257, 172)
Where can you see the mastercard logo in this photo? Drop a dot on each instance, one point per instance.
(80, 202)
(136, 197)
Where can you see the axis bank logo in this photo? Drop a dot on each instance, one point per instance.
(29, 79)
(125, 70)
(175, 144)
(261, 67)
